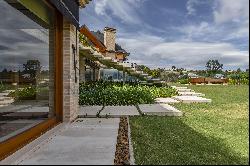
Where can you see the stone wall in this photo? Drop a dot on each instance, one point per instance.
(70, 85)
(109, 41)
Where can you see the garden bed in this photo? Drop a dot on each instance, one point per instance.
(114, 94)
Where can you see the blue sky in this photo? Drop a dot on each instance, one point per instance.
(184, 33)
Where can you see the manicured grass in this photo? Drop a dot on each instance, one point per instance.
(214, 133)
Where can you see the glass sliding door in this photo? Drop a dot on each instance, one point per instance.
(27, 65)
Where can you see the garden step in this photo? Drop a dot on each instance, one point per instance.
(192, 99)
(5, 102)
(5, 98)
(4, 94)
(3, 105)
(110, 111)
(159, 110)
(8, 91)
(178, 87)
(190, 94)
(166, 100)
(185, 90)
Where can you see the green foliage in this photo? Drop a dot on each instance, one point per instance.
(29, 93)
(239, 78)
(183, 81)
(213, 67)
(110, 93)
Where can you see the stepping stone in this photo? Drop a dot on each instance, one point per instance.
(159, 110)
(118, 111)
(179, 87)
(4, 94)
(8, 91)
(166, 100)
(89, 111)
(6, 102)
(36, 109)
(184, 90)
(190, 94)
(192, 99)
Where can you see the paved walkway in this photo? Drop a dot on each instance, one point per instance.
(160, 109)
(84, 142)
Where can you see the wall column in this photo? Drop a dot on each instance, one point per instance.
(70, 83)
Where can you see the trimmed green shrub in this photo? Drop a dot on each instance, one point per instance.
(110, 93)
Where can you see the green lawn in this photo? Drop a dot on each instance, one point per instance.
(214, 133)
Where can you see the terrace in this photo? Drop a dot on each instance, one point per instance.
(81, 101)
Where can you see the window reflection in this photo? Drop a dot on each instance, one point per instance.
(26, 69)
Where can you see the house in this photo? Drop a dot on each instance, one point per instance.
(45, 34)
(104, 43)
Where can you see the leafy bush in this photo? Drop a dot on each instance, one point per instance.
(239, 78)
(110, 93)
(183, 81)
(30, 93)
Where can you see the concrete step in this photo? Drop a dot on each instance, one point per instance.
(185, 90)
(179, 87)
(5, 98)
(166, 100)
(8, 91)
(190, 94)
(159, 110)
(6, 102)
(192, 99)
(4, 94)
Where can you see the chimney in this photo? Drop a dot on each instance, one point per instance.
(109, 38)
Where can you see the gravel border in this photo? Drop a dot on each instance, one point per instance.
(122, 156)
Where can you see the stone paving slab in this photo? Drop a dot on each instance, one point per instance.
(88, 141)
(89, 111)
(166, 100)
(36, 109)
(4, 94)
(185, 90)
(160, 110)
(190, 94)
(192, 99)
(179, 87)
(118, 111)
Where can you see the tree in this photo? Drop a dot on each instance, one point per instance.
(173, 68)
(32, 67)
(213, 67)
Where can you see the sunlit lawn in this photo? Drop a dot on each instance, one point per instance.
(215, 133)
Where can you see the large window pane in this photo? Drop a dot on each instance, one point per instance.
(26, 67)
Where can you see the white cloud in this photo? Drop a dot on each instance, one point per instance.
(156, 52)
(125, 10)
(231, 10)
(191, 6)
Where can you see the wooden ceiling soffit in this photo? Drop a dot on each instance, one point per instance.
(86, 32)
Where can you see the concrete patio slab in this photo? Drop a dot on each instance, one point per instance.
(160, 110)
(89, 111)
(166, 100)
(190, 94)
(110, 111)
(184, 90)
(118, 111)
(36, 109)
(179, 87)
(87, 141)
(192, 99)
